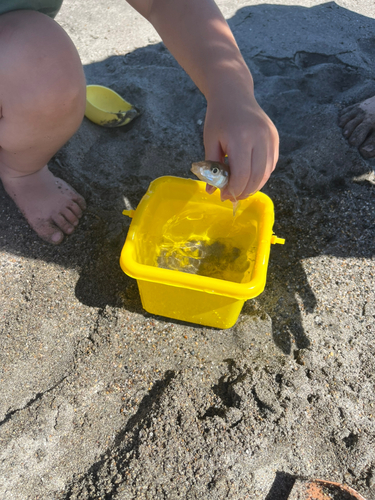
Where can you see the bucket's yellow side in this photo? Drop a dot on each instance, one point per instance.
(192, 306)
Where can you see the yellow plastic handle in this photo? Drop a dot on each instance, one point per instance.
(129, 213)
(275, 239)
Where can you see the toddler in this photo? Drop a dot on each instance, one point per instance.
(42, 103)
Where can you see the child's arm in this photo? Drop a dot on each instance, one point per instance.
(198, 36)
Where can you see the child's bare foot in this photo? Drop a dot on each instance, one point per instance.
(358, 124)
(42, 103)
(50, 205)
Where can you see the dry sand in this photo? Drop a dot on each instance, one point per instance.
(102, 400)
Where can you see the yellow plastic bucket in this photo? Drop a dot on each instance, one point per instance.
(192, 259)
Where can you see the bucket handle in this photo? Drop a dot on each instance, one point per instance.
(129, 213)
(275, 239)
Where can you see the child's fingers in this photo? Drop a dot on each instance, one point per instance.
(240, 164)
(252, 164)
(261, 168)
(212, 147)
(249, 171)
(252, 149)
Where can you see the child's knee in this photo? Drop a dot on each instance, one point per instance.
(43, 86)
(40, 65)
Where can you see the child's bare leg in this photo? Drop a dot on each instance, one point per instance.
(42, 102)
(358, 123)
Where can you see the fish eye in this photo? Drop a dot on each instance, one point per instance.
(215, 170)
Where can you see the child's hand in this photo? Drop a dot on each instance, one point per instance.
(198, 36)
(236, 126)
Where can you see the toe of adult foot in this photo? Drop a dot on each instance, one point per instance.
(351, 125)
(359, 134)
(348, 114)
(367, 149)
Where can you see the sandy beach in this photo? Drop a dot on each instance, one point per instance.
(101, 400)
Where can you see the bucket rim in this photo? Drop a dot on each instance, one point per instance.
(240, 291)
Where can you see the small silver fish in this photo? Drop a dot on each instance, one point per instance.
(215, 174)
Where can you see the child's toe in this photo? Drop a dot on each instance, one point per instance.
(49, 232)
(65, 225)
(80, 201)
(76, 209)
(70, 216)
(56, 238)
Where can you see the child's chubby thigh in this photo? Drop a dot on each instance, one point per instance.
(42, 90)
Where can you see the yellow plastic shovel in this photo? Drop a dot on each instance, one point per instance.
(107, 108)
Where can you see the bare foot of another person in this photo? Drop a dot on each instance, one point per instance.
(358, 124)
(50, 205)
